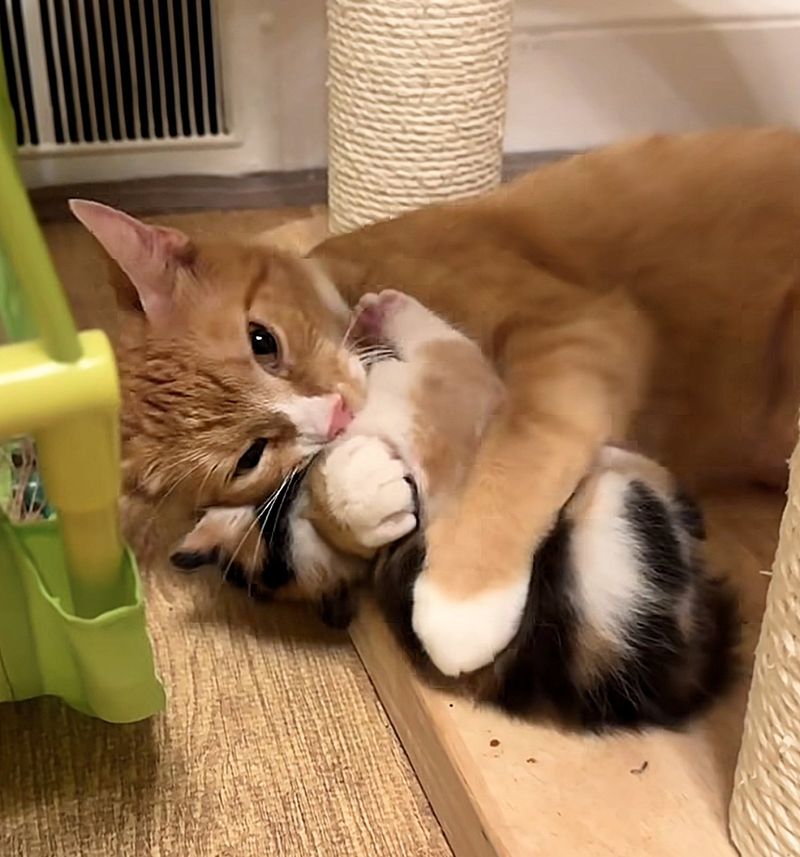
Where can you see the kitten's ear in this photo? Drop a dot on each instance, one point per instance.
(148, 255)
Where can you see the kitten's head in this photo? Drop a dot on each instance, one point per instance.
(231, 359)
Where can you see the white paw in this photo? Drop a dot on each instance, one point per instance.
(368, 491)
(373, 312)
(463, 635)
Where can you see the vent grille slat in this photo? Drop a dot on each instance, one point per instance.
(146, 72)
(99, 65)
(89, 72)
(172, 52)
(200, 41)
(159, 80)
(132, 71)
(69, 118)
(213, 69)
(53, 63)
(187, 58)
(74, 54)
(13, 39)
(112, 72)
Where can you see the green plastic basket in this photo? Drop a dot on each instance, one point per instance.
(72, 620)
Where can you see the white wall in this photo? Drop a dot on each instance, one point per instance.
(583, 72)
(586, 72)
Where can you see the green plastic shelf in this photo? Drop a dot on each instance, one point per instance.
(72, 619)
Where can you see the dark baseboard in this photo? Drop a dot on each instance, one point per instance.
(175, 194)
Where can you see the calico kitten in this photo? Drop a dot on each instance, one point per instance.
(622, 624)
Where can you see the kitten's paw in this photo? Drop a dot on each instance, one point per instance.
(461, 635)
(373, 311)
(369, 492)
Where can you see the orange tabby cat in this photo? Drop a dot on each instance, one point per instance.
(648, 290)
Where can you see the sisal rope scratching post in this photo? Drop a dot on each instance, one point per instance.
(765, 809)
(417, 94)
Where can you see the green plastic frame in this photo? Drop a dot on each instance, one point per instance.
(72, 620)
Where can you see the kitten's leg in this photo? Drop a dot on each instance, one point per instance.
(570, 389)
(402, 321)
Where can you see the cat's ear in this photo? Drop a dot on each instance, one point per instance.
(149, 256)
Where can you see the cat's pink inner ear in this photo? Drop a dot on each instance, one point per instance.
(149, 255)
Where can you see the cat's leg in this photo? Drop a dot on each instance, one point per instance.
(570, 389)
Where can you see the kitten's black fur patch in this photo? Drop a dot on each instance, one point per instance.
(663, 678)
(273, 522)
(338, 608)
(397, 570)
(657, 540)
(690, 516)
(533, 668)
(235, 575)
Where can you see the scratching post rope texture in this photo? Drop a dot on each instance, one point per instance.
(765, 809)
(417, 94)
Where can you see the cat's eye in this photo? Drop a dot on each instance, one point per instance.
(263, 343)
(251, 458)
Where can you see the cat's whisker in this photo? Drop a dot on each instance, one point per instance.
(235, 553)
(284, 491)
(349, 329)
(259, 519)
(361, 343)
(376, 354)
(164, 497)
(203, 484)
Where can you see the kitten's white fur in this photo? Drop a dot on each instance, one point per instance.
(309, 552)
(607, 575)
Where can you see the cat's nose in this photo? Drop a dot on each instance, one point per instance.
(341, 417)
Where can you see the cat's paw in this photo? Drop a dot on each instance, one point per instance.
(369, 491)
(461, 635)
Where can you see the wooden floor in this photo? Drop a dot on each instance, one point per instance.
(501, 787)
(276, 743)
